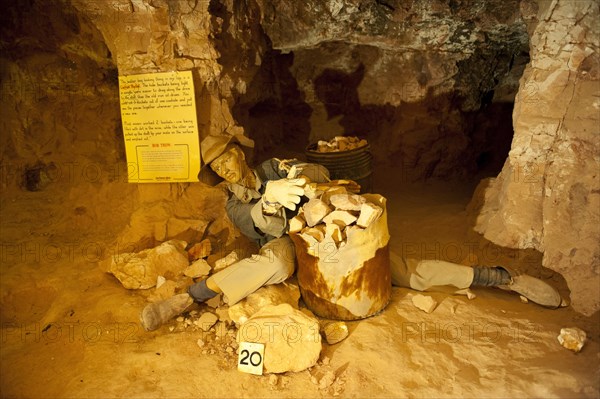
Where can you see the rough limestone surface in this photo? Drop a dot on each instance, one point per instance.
(292, 339)
(547, 196)
(141, 270)
(274, 294)
(409, 76)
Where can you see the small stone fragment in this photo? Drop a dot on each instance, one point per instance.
(341, 218)
(200, 250)
(200, 342)
(223, 313)
(199, 268)
(228, 260)
(314, 211)
(572, 338)
(330, 192)
(297, 223)
(314, 232)
(347, 202)
(325, 361)
(335, 332)
(214, 302)
(424, 302)
(333, 230)
(368, 214)
(523, 299)
(206, 321)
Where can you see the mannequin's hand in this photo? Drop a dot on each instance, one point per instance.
(286, 192)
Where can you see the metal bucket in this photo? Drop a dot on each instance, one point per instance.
(353, 164)
(350, 282)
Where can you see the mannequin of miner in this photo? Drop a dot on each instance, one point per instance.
(260, 204)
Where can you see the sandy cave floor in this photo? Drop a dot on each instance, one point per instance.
(70, 330)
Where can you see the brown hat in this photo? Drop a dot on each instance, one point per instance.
(215, 144)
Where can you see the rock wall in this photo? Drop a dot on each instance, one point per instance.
(60, 106)
(415, 78)
(547, 196)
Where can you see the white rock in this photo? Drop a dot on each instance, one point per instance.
(297, 223)
(228, 260)
(274, 294)
(314, 211)
(368, 214)
(330, 192)
(424, 302)
(141, 270)
(292, 340)
(200, 342)
(335, 332)
(199, 268)
(572, 338)
(347, 202)
(315, 232)
(334, 231)
(341, 218)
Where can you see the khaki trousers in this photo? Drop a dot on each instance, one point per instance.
(273, 264)
(424, 275)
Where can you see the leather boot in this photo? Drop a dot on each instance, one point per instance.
(156, 314)
(531, 288)
(490, 276)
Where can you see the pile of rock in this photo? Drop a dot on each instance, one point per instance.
(340, 143)
(334, 213)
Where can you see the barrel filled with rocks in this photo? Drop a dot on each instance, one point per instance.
(342, 249)
(345, 158)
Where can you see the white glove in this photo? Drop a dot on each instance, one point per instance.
(286, 192)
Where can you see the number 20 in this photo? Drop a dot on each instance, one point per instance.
(247, 356)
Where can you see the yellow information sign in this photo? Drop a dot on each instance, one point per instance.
(158, 111)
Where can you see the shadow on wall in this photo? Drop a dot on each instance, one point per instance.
(273, 111)
(428, 138)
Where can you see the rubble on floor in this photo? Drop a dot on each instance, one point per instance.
(141, 270)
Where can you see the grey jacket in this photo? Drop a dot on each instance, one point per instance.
(248, 215)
